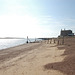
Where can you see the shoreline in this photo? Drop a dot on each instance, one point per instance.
(12, 52)
(9, 43)
(19, 45)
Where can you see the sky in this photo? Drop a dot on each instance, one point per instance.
(36, 18)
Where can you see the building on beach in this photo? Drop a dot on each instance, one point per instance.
(66, 33)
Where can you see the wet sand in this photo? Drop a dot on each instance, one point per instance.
(32, 59)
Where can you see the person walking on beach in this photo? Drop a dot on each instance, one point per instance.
(27, 39)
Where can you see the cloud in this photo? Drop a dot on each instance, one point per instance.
(50, 21)
(69, 20)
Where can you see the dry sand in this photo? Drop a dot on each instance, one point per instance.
(33, 59)
(67, 66)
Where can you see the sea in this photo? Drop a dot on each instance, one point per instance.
(7, 43)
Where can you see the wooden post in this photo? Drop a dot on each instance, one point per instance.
(63, 40)
(54, 40)
(58, 42)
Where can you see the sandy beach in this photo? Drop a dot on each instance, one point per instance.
(35, 59)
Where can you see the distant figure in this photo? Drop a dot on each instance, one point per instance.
(27, 39)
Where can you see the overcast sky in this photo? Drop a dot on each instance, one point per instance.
(36, 18)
